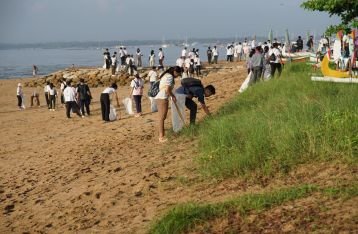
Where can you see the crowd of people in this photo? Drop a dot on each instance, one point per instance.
(262, 59)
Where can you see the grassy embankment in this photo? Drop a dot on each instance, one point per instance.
(269, 129)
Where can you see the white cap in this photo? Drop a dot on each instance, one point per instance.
(19, 84)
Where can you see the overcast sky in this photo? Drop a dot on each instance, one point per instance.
(29, 21)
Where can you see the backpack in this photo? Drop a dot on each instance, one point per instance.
(272, 57)
(154, 89)
(187, 83)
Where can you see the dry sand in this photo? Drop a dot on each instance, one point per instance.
(80, 175)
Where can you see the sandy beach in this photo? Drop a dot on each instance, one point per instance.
(80, 175)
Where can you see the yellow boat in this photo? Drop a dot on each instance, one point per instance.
(326, 71)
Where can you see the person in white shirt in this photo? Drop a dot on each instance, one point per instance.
(105, 101)
(20, 95)
(69, 95)
(152, 58)
(191, 54)
(215, 55)
(46, 89)
(122, 56)
(197, 65)
(139, 58)
(180, 61)
(125, 52)
(238, 52)
(275, 60)
(253, 44)
(166, 86)
(152, 74)
(52, 93)
(114, 63)
(229, 53)
(137, 85)
(161, 57)
(183, 52)
(62, 88)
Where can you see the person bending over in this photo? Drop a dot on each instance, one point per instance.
(193, 88)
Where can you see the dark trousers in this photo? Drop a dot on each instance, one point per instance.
(275, 66)
(138, 103)
(257, 74)
(83, 104)
(52, 101)
(47, 100)
(19, 101)
(123, 60)
(161, 62)
(108, 63)
(193, 107)
(209, 59)
(72, 106)
(215, 59)
(198, 70)
(105, 105)
(62, 98)
(114, 69)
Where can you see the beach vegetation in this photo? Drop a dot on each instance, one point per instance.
(184, 217)
(277, 125)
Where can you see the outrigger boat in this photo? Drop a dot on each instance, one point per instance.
(331, 75)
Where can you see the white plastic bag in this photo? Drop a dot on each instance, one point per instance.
(112, 113)
(267, 72)
(153, 104)
(246, 83)
(178, 114)
(127, 102)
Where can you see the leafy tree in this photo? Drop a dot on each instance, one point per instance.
(347, 10)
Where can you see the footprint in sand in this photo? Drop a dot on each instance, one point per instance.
(9, 208)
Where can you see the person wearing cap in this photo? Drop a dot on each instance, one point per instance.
(20, 95)
(137, 85)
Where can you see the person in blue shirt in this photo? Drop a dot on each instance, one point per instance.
(193, 88)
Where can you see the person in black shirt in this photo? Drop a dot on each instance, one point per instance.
(84, 96)
(299, 44)
(193, 88)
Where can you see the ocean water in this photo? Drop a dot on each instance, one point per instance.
(17, 62)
